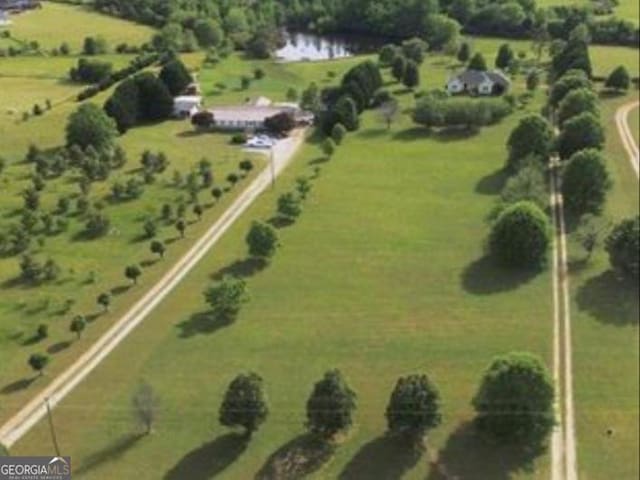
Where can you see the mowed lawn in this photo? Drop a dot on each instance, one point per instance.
(383, 275)
(605, 336)
(55, 23)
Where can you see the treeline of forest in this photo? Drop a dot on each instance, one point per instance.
(211, 22)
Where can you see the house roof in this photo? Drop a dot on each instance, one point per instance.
(247, 113)
(475, 78)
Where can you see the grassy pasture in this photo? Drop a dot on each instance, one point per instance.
(55, 23)
(605, 336)
(383, 275)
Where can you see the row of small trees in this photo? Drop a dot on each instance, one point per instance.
(513, 404)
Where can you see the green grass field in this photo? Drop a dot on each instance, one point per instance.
(55, 23)
(383, 275)
(605, 337)
(626, 9)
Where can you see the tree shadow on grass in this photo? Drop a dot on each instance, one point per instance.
(296, 459)
(493, 183)
(241, 269)
(318, 160)
(110, 453)
(280, 222)
(14, 387)
(202, 323)
(373, 133)
(467, 455)
(115, 291)
(209, 459)
(610, 299)
(385, 458)
(413, 134)
(58, 347)
(486, 277)
(32, 340)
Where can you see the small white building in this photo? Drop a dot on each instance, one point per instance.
(478, 82)
(186, 105)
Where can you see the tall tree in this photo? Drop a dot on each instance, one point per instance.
(414, 407)
(580, 132)
(619, 79)
(175, 76)
(514, 403)
(623, 247)
(532, 136)
(505, 56)
(90, 126)
(262, 240)
(245, 403)
(227, 297)
(585, 182)
(331, 406)
(478, 62)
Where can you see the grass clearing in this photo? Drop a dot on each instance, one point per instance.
(55, 23)
(383, 275)
(605, 336)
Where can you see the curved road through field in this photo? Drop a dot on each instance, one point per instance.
(35, 410)
(628, 140)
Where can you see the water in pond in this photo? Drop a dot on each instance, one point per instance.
(309, 46)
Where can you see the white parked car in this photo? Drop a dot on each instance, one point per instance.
(260, 141)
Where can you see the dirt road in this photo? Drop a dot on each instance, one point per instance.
(35, 410)
(628, 140)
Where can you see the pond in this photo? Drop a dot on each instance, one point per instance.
(312, 47)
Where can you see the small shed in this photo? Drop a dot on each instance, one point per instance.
(186, 105)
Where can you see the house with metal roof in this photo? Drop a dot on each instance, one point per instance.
(477, 82)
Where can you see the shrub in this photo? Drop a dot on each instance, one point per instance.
(623, 247)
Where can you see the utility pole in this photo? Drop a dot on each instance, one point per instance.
(54, 439)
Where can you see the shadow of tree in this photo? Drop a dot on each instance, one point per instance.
(108, 454)
(210, 459)
(202, 323)
(318, 160)
(372, 133)
(413, 134)
(58, 347)
(32, 340)
(241, 268)
(14, 387)
(486, 277)
(280, 222)
(385, 458)
(467, 455)
(115, 291)
(296, 459)
(492, 184)
(610, 299)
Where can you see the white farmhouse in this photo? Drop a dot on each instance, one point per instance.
(477, 82)
(186, 105)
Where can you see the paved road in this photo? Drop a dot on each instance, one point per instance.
(35, 410)
(626, 135)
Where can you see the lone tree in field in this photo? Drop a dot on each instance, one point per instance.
(244, 404)
(262, 240)
(464, 52)
(132, 272)
(585, 182)
(175, 76)
(90, 125)
(227, 297)
(576, 102)
(505, 56)
(330, 406)
(104, 300)
(145, 403)
(532, 136)
(520, 236)
(157, 247)
(414, 408)
(77, 326)
(580, 132)
(289, 206)
(590, 233)
(38, 361)
(619, 79)
(478, 62)
(623, 247)
(411, 78)
(514, 403)
(181, 226)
